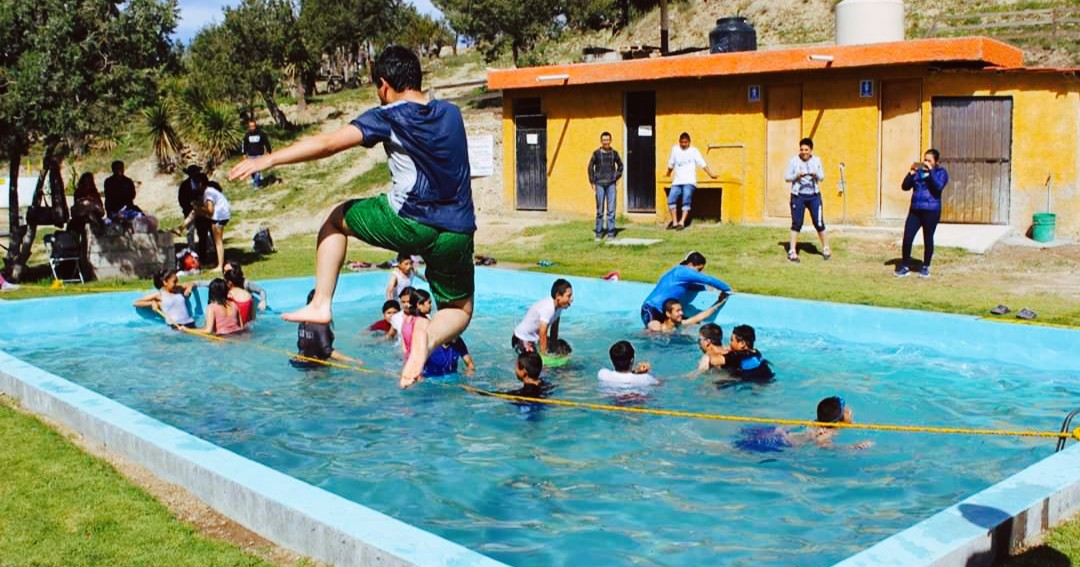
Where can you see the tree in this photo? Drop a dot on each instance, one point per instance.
(344, 30)
(72, 69)
(498, 25)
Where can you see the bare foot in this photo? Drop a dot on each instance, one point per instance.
(310, 314)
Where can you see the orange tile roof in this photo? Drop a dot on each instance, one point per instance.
(979, 51)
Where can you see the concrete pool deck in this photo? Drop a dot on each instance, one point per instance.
(329, 528)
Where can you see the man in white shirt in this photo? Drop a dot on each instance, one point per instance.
(684, 161)
(805, 173)
(539, 330)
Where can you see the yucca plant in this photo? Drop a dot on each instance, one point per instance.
(166, 141)
(217, 131)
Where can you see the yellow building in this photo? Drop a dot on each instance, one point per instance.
(1009, 135)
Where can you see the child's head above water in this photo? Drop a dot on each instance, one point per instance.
(710, 334)
(234, 277)
(389, 308)
(219, 292)
(560, 348)
(673, 310)
(529, 366)
(743, 337)
(405, 294)
(622, 356)
(833, 410)
(562, 292)
(164, 278)
(419, 303)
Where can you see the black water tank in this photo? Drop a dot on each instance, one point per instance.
(732, 34)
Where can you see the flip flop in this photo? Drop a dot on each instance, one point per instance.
(827, 253)
(1026, 314)
(1000, 310)
(792, 256)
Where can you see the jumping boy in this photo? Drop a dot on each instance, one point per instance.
(711, 343)
(428, 211)
(539, 330)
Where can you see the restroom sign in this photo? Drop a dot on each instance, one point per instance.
(753, 93)
(866, 88)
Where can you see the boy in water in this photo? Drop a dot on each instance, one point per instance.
(390, 308)
(316, 341)
(444, 359)
(626, 373)
(539, 330)
(742, 360)
(675, 318)
(528, 369)
(401, 276)
(775, 439)
(428, 211)
(711, 343)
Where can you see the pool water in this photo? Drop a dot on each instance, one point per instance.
(558, 486)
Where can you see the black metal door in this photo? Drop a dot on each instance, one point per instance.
(640, 118)
(974, 136)
(531, 157)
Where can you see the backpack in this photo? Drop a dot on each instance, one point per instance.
(187, 260)
(262, 243)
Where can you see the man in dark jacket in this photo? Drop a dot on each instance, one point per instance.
(926, 181)
(190, 192)
(256, 143)
(119, 190)
(605, 169)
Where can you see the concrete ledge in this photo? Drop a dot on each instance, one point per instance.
(983, 528)
(288, 512)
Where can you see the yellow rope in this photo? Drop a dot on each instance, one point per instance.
(1074, 434)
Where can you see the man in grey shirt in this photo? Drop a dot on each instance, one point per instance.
(805, 173)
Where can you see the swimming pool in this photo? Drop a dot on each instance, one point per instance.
(560, 486)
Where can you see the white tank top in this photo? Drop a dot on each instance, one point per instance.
(402, 282)
(175, 307)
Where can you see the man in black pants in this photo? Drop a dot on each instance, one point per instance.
(928, 179)
(190, 192)
(256, 143)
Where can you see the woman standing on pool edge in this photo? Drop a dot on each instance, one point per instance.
(928, 179)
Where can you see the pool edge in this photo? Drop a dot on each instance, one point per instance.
(278, 507)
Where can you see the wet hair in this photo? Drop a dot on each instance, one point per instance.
(162, 275)
(608, 134)
(830, 410)
(684, 136)
(531, 363)
(218, 292)
(117, 165)
(390, 304)
(935, 153)
(559, 287)
(712, 333)
(670, 304)
(418, 296)
(746, 334)
(807, 142)
(622, 356)
(310, 295)
(406, 291)
(696, 258)
(401, 257)
(233, 265)
(235, 277)
(399, 67)
(560, 348)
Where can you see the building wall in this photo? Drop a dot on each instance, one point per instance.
(731, 131)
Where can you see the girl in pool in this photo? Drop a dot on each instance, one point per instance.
(776, 439)
(170, 299)
(414, 325)
(239, 296)
(250, 286)
(222, 316)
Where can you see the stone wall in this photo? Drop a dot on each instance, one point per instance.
(127, 255)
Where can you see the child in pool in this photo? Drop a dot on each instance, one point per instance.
(401, 276)
(316, 341)
(539, 330)
(626, 373)
(675, 318)
(398, 318)
(775, 439)
(383, 327)
(240, 297)
(711, 343)
(170, 300)
(444, 358)
(528, 369)
(742, 360)
(222, 316)
(418, 307)
(249, 286)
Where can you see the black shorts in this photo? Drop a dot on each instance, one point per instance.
(221, 223)
(521, 346)
(650, 313)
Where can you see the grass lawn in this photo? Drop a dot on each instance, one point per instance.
(60, 506)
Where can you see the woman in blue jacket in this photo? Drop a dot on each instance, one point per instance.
(678, 283)
(926, 180)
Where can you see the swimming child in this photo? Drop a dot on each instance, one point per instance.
(401, 276)
(390, 308)
(444, 358)
(316, 341)
(711, 343)
(539, 330)
(626, 373)
(674, 317)
(250, 286)
(222, 316)
(742, 360)
(240, 297)
(170, 300)
(528, 369)
(776, 439)
(416, 310)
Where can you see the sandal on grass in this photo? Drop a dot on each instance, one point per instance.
(1026, 314)
(793, 256)
(1000, 310)
(827, 253)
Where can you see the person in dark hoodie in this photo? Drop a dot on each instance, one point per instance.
(926, 181)
(605, 169)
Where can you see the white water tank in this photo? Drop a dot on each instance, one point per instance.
(869, 21)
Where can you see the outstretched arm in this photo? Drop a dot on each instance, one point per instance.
(706, 313)
(312, 148)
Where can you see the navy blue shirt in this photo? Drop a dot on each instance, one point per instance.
(444, 359)
(428, 159)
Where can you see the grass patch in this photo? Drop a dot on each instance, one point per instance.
(60, 506)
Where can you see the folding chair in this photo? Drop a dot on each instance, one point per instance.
(65, 252)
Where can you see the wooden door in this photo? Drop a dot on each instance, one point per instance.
(783, 130)
(901, 126)
(974, 136)
(639, 114)
(531, 158)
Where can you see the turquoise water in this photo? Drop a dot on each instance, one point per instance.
(570, 487)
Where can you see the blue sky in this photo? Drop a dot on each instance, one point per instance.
(195, 14)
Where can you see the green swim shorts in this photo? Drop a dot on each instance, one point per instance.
(449, 255)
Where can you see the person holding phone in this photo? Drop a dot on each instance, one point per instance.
(926, 180)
